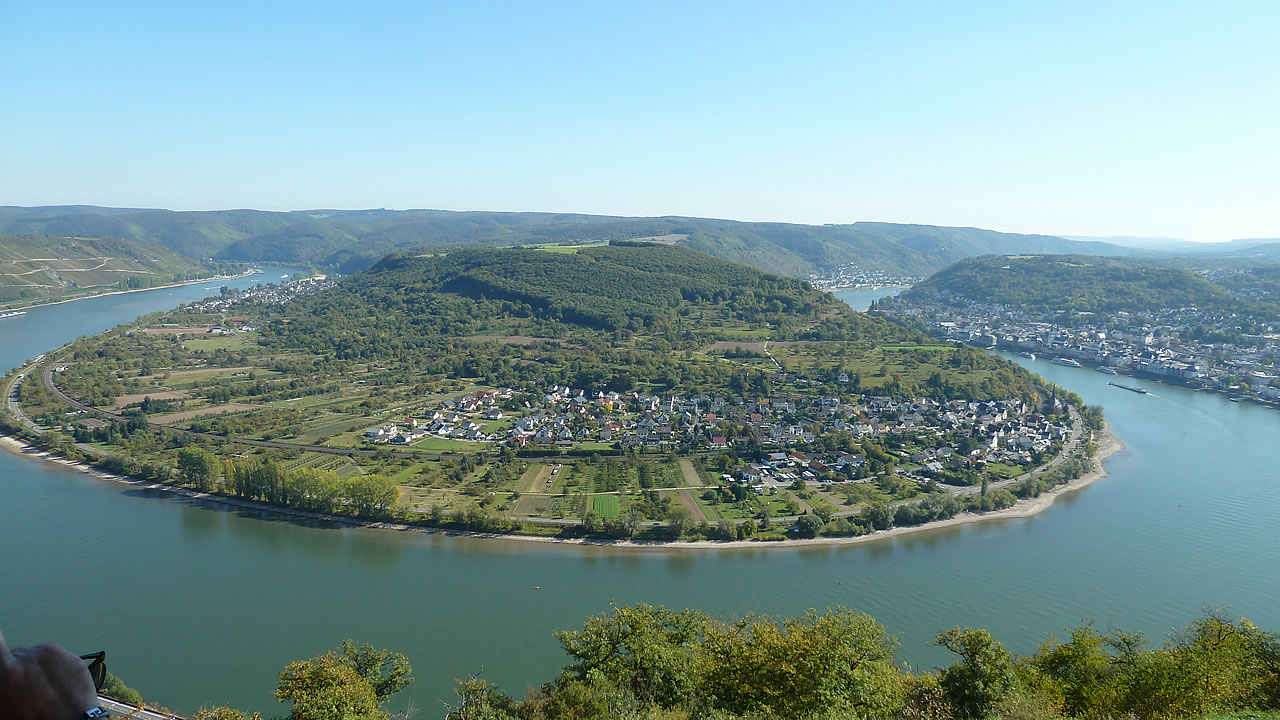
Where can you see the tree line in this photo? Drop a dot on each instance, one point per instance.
(641, 662)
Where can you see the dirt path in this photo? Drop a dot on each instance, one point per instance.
(686, 499)
(835, 501)
(536, 478)
(691, 477)
(805, 507)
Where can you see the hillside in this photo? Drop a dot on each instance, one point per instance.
(351, 240)
(35, 268)
(451, 376)
(1076, 283)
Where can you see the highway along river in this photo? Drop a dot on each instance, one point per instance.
(199, 603)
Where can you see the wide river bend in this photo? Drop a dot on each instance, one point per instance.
(201, 603)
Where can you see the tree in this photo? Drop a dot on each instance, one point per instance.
(838, 664)
(681, 520)
(480, 701)
(823, 509)
(880, 517)
(983, 677)
(631, 522)
(114, 687)
(199, 467)
(647, 650)
(808, 526)
(327, 688)
(387, 672)
(371, 494)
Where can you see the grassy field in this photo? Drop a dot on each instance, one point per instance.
(605, 505)
(566, 249)
(224, 342)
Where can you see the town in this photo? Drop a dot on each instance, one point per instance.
(782, 439)
(1187, 346)
(266, 294)
(851, 277)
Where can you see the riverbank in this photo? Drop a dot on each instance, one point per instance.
(217, 278)
(838, 288)
(1106, 442)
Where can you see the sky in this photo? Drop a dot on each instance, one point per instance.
(1077, 118)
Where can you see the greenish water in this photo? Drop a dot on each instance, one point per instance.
(200, 603)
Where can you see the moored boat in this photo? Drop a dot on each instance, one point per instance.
(15, 313)
(1027, 355)
(1106, 370)
(1066, 361)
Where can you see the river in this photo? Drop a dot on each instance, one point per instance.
(198, 603)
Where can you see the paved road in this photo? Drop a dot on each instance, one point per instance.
(11, 397)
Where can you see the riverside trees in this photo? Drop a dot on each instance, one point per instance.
(370, 495)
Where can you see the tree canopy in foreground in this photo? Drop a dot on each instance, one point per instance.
(645, 662)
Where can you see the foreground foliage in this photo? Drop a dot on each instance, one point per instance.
(649, 662)
(349, 683)
(644, 662)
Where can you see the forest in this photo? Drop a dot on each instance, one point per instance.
(1075, 283)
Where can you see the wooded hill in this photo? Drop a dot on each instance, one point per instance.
(1075, 283)
(36, 268)
(351, 240)
(609, 317)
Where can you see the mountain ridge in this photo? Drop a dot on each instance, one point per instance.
(351, 240)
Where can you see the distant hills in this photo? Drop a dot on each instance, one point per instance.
(39, 268)
(1077, 283)
(351, 240)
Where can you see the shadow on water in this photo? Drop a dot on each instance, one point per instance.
(248, 513)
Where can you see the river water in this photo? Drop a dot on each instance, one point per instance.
(199, 603)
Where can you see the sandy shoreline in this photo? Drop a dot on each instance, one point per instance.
(126, 292)
(1107, 443)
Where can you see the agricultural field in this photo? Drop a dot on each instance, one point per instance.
(530, 383)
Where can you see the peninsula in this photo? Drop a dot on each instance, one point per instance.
(632, 392)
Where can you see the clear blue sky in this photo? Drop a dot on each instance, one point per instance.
(1135, 118)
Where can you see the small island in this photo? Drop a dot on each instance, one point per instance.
(633, 392)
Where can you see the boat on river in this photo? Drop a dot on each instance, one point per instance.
(1027, 355)
(1066, 361)
(15, 313)
(1106, 370)
(1130, 388)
